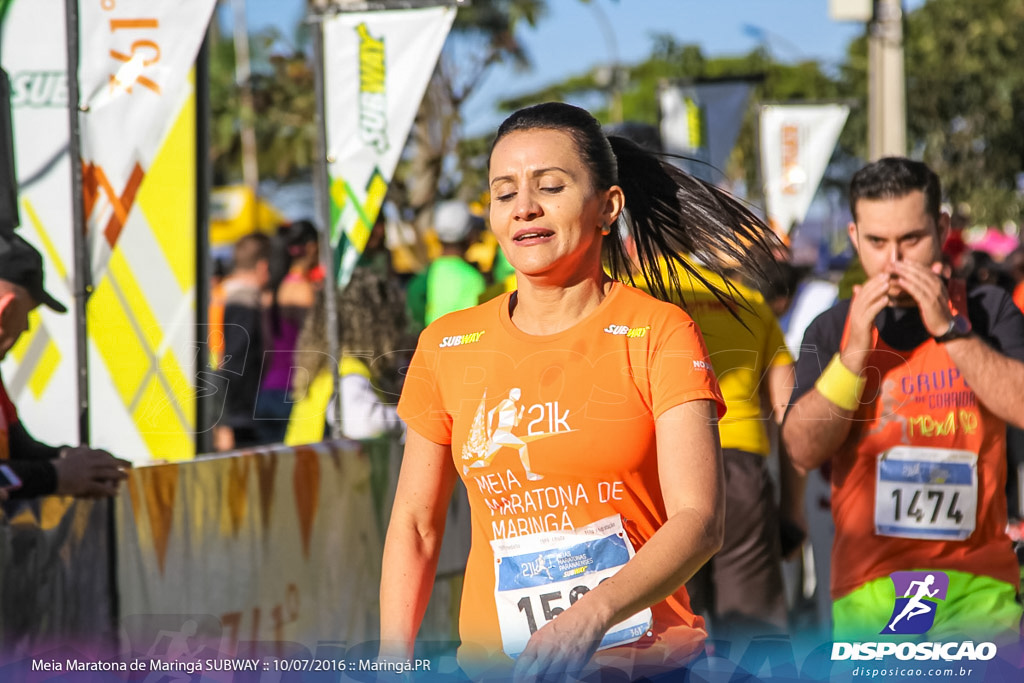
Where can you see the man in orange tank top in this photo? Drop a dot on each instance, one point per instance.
(907, 391)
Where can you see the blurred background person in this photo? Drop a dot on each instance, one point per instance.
(373, 340)
(453, 283)
(294, 278)
(1015, 266)
(741, 587)
(245, 340)
(955, 247)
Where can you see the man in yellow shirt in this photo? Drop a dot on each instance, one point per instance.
(741, 588)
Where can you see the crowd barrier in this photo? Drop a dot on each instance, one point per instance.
(278, 546)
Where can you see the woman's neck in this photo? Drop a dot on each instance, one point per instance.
(542, 309)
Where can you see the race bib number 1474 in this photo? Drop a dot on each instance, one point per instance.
(539, 576)
(926, 493)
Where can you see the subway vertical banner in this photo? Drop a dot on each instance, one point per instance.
(137, 121)
(376, 69)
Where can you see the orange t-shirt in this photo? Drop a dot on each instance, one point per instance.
(578, 408)
(920, 401)
(1018, 295)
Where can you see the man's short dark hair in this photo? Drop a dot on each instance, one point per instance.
(250, 250)
(895, 177)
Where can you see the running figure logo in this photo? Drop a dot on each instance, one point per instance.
(917, 594)
(493, 430)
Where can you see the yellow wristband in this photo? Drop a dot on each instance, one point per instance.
(840, 385)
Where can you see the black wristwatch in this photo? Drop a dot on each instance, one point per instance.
(959, 327)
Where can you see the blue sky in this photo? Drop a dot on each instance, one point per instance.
(573, 37)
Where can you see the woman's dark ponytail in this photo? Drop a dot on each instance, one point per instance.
(671, 214)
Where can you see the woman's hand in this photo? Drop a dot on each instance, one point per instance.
(563, 647)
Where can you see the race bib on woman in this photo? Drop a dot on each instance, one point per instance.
(926, 493)
(539, 576)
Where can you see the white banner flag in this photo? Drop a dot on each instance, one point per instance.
(376, 69)
(138, 174)
(702, 122)
(40, 372)
(135, 59)
(796, 144)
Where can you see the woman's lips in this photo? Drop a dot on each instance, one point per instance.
(528, 236)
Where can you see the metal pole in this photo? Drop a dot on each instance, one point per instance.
(759, 172)
(83, 288)
(615, 106)
(204, 420)
(83, 275)
(323, 210)
(243, 78)
(887, 116)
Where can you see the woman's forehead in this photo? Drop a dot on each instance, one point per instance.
(535, 147)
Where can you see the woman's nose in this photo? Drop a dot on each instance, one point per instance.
(526, 207)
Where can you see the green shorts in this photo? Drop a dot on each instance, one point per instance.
(977, 608)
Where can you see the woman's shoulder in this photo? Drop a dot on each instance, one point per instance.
(296, 292)
(639, 304)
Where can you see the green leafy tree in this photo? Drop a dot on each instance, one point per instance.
(965, 99)
(671, 60)
(283, 102)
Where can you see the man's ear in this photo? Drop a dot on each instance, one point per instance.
(6, 301)
(851, 229)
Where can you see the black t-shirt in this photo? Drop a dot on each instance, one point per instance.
(990, 309)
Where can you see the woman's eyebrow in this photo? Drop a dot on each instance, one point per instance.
(534, 174)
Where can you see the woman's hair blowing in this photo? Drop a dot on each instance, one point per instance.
(668, 212)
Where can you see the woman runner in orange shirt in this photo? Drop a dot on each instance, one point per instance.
(600, 494)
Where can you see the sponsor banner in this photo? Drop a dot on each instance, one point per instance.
(46, 594)
(135, 59)
(141, 315)
(797, 141)
(376, 68)
(702, 122)
(270, 545)
(138, 144)
(138, 162)
(40, 371)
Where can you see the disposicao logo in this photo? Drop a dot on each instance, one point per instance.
(918, 596)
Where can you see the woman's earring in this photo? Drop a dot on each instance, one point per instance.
(606, 229)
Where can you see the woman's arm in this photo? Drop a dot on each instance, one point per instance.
(413, 543)
(692, 485)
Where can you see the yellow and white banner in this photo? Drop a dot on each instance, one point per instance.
(376, 69)
(797, 141)
(135, 60)
(138, 162)
(40, 371)
(274, 545)
(138, 148)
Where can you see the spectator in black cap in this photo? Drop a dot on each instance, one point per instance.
(64, 470)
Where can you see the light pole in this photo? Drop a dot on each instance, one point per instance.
(614, 78)
(887, 114)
